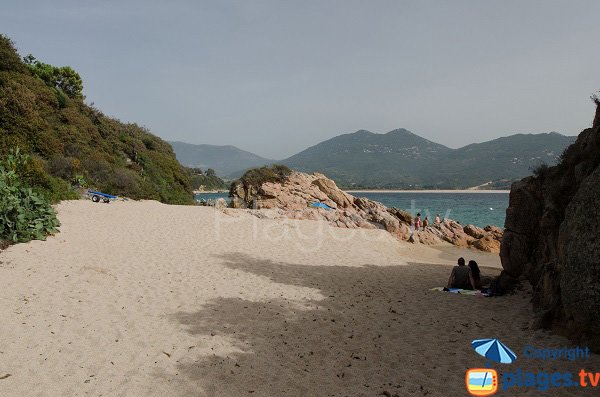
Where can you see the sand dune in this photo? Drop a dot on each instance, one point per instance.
(140, 298)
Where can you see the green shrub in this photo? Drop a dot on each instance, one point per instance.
(257, 176)
(63, 79)
(124, 180)
(9, 59)
(24, 214)
(541, 170)
(33, 173)
(61, 167)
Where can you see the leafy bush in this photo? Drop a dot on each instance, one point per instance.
(541, 170)
(124, 180)
(62, 78)
(257, 176)
(24, 214)
(9, 59)
(61, 167)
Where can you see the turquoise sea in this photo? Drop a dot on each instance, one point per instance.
(479, 209)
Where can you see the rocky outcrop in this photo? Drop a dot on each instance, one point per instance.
(292, 199)
(469, 236)
(551, 240)
(487, 243)
(474, 231)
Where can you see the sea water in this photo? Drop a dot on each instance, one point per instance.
(479, 209)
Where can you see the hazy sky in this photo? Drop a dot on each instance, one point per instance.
(274, 77)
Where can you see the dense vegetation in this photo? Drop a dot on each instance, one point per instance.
(71, 143)
(206, 180)
(255, 177)
(24, 213)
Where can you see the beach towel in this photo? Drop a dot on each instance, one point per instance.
(459, 291)
(320, 205)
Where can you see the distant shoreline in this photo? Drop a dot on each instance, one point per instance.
(209, 191)
(447, 191)
(426, 191)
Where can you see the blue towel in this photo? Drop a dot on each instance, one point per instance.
(321, 205)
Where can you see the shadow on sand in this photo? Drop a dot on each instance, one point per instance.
(378, 329)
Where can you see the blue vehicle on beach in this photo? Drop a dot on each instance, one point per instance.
(97, 196)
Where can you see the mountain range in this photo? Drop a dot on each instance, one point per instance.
(401, 159)
(225, 160)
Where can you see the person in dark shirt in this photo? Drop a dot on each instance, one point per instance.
(461, 276)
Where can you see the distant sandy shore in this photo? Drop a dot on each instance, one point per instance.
(145, 299)
(426, 191)
(209, 191)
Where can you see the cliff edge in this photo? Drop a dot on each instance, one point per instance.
(551, 239)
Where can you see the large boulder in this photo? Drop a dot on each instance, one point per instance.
(404, 216)
(453, 233)
(551, 239)
(331, 191)
(495, 231)
(474, 231)
(487, 243)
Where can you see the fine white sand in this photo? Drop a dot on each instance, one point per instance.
(145, 299)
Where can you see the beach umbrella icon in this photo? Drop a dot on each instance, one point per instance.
(494, 350)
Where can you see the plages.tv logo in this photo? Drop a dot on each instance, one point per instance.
(481, 381)
(484, 381)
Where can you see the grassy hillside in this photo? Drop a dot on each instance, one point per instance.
(401, 159)
(206, 180)
(398, 158)
(42, 112)
(511, 158)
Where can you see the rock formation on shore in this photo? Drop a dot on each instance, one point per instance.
(551, 239)
(292, 198)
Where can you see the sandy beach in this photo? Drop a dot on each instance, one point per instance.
(145, 299)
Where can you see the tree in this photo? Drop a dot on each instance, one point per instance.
(210, 172)
(63, 78)
(9, 59)
(69, 81)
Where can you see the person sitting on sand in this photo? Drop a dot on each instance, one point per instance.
(425, 223)
(418, 222)
(438, 220)
(476, 273)
(461, 276)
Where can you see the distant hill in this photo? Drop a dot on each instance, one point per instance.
(43, 113)
(398, 158)
(225, 160)
(401, 159)
(508, 158)
(206, 180)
